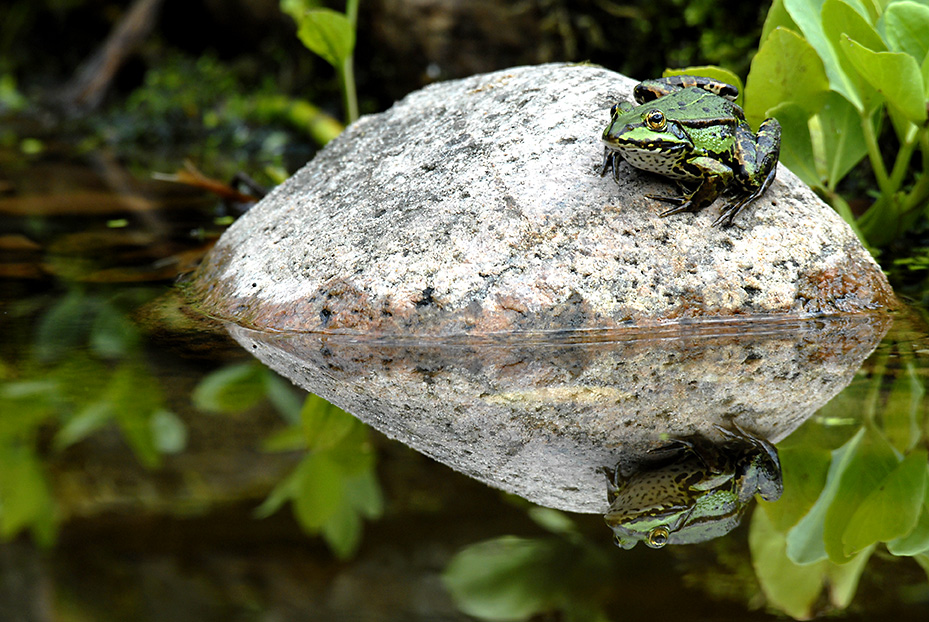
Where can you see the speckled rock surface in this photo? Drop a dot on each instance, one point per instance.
(477, 206)
(542, 417)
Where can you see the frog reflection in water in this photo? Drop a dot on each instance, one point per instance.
(695, 490)
(688, 128)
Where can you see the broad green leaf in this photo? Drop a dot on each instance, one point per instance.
(505, 578)
(894, 75)
(843, 578)
(84, 423)
(363, 494)
(554, 521)
(790, 587)
(709, 71)
(318, 491)
(906, 25)
(777, 17)
(808, 17)
(840, 19)
(796, 146)
(328, 34)
(905, 407)
(134, 397)
(804, 469)
(168, 431)
(871, 461)
(282, 493)
(25, 499)
(785, 69)
(892, 509)
(325, 425)
(342, 532)
(917, 541)
(842, 138)
(285, 398)
(805, 540)
(231, 389)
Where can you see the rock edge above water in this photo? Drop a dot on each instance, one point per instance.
(476, 206)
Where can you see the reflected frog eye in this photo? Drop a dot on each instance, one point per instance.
(655, 120)
(657, 537)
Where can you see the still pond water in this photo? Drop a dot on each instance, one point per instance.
(151, 468)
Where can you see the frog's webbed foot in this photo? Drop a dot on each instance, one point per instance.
(732, 210)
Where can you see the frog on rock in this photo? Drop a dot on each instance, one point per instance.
(695, 490)
(689, 129)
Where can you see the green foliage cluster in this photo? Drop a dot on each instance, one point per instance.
(839, 505)
(205, 105)
(335, 485)
(86, 373)
(838, 75)
(330, 35)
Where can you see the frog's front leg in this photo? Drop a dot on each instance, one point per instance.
(758, 154)
(714, 176)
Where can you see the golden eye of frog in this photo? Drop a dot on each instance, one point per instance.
(689, 129)
(695, 491)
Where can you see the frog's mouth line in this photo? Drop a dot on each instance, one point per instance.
(651, 147)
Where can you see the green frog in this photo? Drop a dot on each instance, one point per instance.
(694, 491)
(688, 128)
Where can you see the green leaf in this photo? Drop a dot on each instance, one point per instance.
(805, 540)
(917, 541)
(808, 17)
(134, 396)
(796, 145)
(843, 139)
(894, 75)
(777, 17)
(843, 578)
(342, 532)
(231, 389)
(906, 25)
(904, 410)
(325, 425)
(840, 19)
(785, 69)
(83, 424)
(363, 494)
(168, 431)
(804, 469)
(327, 33)
(318, 491)
(504, 578)
(892, 509)
(790, 587)
(286, 399)
(25, 499)
(870, 462)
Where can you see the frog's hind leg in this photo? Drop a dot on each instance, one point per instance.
(733, 209)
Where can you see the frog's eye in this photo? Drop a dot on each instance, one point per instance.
(657, 537)
(654, 120)
(613, 110)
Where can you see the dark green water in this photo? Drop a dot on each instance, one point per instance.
(151, 469)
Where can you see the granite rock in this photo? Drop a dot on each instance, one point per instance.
(476, 206)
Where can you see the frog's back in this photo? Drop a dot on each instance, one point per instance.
(694, 104)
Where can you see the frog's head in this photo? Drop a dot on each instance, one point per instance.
(710, 514)
(645, 135)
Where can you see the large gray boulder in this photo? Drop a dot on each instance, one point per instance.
(476, 206)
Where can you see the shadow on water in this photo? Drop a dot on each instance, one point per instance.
(138, 443)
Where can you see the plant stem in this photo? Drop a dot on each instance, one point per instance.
(874, 154)
(903, 157)
(347, 72)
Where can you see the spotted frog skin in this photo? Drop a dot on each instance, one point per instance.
(689, 129)
(696, 490)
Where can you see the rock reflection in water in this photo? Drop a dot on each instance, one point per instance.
(694, 489)
(542, 415)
